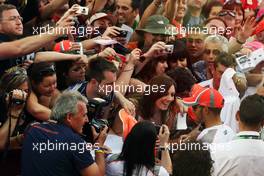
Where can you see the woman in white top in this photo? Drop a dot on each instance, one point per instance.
(138, 153)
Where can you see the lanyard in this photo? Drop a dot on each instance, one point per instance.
(248, 137)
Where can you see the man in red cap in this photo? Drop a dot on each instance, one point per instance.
(207, 104)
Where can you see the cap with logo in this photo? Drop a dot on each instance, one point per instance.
(157, 24)
(208, 97)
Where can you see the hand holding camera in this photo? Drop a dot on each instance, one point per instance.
(16, 100)
(101, 136)
(112, 31)
(158, 49)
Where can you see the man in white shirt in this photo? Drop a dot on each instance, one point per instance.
(245, 156)
(207, 104)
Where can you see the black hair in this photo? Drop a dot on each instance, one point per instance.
(62, 69)
(143, 5)
(135, 4)
(138, 148)
(38, 71)
(194, 161)
(251, 110)
(179, 51)
(97, 67)
(183, 78)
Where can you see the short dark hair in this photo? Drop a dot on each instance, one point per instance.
(97, 67)
(135, 4)
(183, 78)
(225, 59)
(5, 7)
(215, 111)
(38, 71)
(196, 161)
(251, 110)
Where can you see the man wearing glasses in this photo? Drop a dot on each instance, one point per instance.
(214, 45)
(11, 27)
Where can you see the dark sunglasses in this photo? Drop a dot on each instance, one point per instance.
(230, 13)
(215, 52)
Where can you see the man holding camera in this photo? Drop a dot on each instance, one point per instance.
(56, 147)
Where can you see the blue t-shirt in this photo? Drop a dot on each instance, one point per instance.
(54, 149)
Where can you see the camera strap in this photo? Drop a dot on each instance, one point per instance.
(5, 151)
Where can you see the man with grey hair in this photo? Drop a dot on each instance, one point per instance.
(214, 45)
(56, 147)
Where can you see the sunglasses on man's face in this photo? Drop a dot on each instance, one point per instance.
(214, 52)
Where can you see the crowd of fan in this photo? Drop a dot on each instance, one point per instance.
(111, 87)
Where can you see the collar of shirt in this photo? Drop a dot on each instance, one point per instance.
(248, 135)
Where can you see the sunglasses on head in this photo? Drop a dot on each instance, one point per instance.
(230, 13)
(47, 70)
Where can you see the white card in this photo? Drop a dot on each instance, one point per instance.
(181, 121)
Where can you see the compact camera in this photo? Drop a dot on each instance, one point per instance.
(169, 48)
(83, 10)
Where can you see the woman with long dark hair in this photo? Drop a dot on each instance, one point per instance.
(138, 153)
(156, 104)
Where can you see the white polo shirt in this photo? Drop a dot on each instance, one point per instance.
(216, 134)
(245, 156)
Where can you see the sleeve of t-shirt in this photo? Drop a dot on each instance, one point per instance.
(82, 157)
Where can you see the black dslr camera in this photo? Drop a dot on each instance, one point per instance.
(14, 101)
(95, 114)
(123, 33)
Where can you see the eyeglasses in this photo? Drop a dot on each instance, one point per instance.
(214, 52)
(196, 41)
(227, 12)
(13, 18)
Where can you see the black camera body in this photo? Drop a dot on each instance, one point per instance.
(123, 33)
(16, 101)
(95, 114)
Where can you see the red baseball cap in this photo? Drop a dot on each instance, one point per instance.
(208, 97)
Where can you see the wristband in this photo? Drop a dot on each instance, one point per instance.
(100, 151)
